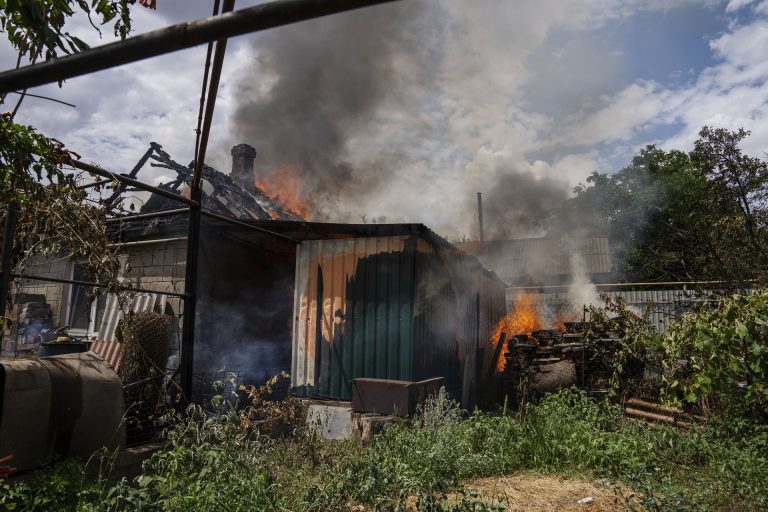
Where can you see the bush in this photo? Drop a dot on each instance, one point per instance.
(727, 353)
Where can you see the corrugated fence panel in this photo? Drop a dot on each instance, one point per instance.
(663, 307)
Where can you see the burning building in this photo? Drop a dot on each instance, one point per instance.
(326, 302)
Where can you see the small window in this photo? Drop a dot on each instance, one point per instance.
(85, 314)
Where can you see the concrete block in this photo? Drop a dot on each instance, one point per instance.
(332, 421)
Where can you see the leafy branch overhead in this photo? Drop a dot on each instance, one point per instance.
(54, 217)
(37, 28)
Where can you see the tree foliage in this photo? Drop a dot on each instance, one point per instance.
(680, 216)
(53, 217)
(36, 28)
(726, 353)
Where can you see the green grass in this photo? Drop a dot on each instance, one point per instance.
(218, 465)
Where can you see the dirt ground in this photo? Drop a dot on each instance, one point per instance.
(541, 494)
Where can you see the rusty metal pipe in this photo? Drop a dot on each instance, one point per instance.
(91, 284)
(174, 38)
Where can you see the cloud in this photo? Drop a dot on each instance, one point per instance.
(735, 5)
(732, 93)
(626, 113)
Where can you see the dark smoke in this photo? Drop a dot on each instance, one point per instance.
(318, 85)
(518, 204)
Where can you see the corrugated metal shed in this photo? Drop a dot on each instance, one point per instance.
(512, 260)
(405, 306)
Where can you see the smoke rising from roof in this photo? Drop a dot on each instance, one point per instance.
(318, 86)
(387, 111)
(518, 204)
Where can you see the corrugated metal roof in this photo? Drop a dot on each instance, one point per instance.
(542, 257)
(110, 351)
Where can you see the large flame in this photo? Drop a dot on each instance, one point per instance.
(523, 318)
(283, 186)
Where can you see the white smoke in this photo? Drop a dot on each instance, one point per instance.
(581, 290)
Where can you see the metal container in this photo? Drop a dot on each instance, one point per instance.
(59, 349)
(407, 306)
(392, 397)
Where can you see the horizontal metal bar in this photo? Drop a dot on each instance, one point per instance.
(93, 285)
(130, 181)
(94, 184)
(174, 38)
(622, 285)
(249, 226)
(148, 242)
(148, 215)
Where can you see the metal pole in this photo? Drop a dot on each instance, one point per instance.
(119, 189)
(148, 242)
(149, 215)
(207, 69)
(186, 360)
(98, 171)
(480, 215)
(186, 364)
(5, 266)
(90, 284)
(174, 38)
(210, 102)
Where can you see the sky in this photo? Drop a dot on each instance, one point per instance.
(406, 110)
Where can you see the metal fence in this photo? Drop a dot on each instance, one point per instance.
(662, 307)
(590, 356)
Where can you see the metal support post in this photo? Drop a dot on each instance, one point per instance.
(5, 278)
(190, 299)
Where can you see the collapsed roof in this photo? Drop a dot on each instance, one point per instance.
(221, 194)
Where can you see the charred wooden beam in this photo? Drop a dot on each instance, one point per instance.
(176, 37)
(136, 168)
(132, 182)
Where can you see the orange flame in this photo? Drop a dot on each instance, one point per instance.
(283, 186)
(523, 318)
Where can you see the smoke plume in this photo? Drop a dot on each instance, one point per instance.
(316, 89)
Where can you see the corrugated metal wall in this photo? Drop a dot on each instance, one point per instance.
(396, 307)
(353, 311)
(458, 304)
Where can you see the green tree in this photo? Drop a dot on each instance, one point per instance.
(673, 215)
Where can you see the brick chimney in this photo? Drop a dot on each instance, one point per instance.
(242, 166)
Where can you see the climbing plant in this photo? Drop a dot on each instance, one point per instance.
(720, 353)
